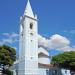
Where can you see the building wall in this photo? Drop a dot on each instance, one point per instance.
(65, 72)
(44, 60)
(29, 48)
(55, 71)
(42, 71)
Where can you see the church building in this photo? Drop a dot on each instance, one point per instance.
(33, 59)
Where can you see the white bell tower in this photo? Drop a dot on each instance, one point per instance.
(28, 45)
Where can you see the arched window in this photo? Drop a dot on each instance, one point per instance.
(31, 25)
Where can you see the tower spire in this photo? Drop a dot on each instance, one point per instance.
(28, 10)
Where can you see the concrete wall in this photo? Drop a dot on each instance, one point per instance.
(42, 71)
(44, 60)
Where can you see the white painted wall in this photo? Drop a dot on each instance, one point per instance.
(67, 72)
(42, 71)
(44, 51)
(44, 60)
(29, 48)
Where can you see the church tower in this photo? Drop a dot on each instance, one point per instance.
(28, 44)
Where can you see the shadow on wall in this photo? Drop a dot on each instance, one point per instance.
(54, 71)
(58, 71)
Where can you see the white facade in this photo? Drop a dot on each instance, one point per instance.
(32, 59)
(28, 53)
(65, 72)
(43, 56)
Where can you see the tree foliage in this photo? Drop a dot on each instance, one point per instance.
(65, 60)
(7, 56)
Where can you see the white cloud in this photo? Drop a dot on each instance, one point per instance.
(10, 38)
(70, 31)
(42, 41)
(57, 42)
(14, 35)
(68, 48)
(7, 41)
(6, 34)
(11, 35)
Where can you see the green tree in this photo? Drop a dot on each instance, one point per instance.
(7, 57)
(65, 60)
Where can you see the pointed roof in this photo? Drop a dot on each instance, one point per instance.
(28, 10)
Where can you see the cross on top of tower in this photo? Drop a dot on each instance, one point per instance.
(28, 10)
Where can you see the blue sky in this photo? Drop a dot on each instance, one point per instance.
(55, 17)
